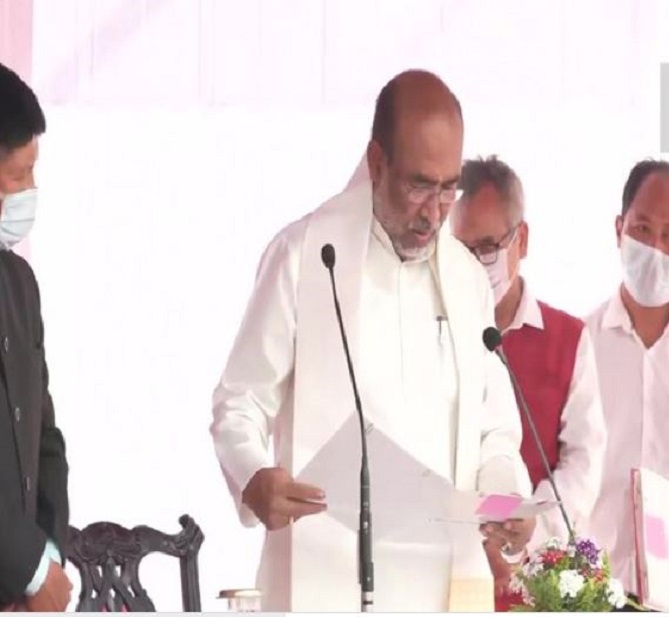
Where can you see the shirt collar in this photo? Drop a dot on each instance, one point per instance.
(616, 315)
(528, 313)
(430, 257)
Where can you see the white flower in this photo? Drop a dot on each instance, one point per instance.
(615, 593)
(516, 585)
(528, 600)
(571, 582)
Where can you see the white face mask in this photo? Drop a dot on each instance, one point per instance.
(17, 215)
(498, 273)
(645, 272)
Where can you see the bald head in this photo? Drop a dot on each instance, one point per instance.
(414, 159)
(409, 98)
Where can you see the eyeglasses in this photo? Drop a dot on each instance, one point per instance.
(420, 194)
(487, 253)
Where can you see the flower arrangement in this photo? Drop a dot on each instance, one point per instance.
(572, 576)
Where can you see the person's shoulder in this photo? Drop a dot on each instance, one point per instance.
(291, 236)
(560, 316)
(19, 281)
(13, 260)
(16, 266)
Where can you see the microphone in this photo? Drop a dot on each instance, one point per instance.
(492, 339)
(365, 563)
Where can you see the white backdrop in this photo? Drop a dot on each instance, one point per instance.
(184, 133)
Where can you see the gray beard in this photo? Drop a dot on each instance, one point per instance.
(415, 254)
(405, 254)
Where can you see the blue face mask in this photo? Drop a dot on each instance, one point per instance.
(17, 215)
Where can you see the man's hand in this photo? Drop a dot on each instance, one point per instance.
(501, 569)
(512, 536)
(276, 499)
(54, 594)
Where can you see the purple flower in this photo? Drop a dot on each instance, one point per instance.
(587, 549)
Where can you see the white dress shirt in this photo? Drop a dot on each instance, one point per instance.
(407, 363)
(635, 392)
(409, 390)
(582, 436)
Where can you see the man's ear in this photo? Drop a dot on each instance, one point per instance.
(619, 228)
(374, 161)
(524, 232)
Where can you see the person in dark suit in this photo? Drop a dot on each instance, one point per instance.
(34, 509)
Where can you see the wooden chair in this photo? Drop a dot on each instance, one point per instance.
(108, 555)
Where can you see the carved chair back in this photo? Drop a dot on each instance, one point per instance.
(108, 555)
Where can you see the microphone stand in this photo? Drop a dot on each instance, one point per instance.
(365, 563)
(537, 441)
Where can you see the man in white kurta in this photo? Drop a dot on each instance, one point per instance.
(631, 340)
(415, 304)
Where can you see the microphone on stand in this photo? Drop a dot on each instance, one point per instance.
(365, 563)
(492, 339)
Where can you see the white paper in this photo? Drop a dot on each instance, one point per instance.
(470, 507)
(402, 489)
(409, 501)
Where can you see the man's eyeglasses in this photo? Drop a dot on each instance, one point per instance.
(420, 194)
(487, 253)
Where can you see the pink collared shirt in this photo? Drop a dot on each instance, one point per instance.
(635, 395)
(582, 436)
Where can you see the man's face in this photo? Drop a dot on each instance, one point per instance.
(483, 225)
(647, 219)
(17, 168)
(413, 192)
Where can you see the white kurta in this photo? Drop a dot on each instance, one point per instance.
(634, 396)
(445, 399)
(406, 356)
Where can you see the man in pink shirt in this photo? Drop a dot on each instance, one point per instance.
(631, 343)
(549, 351)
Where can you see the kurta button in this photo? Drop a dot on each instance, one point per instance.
(5, 342)
(27, 484)
(17, 413)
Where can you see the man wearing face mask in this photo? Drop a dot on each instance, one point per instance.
(549, 351)
(33, 469)
(415, 304)
(631, 342)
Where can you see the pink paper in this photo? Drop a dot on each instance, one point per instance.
(499, 507)
(656, 537)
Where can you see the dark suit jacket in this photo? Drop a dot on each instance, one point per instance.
(33, 467)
